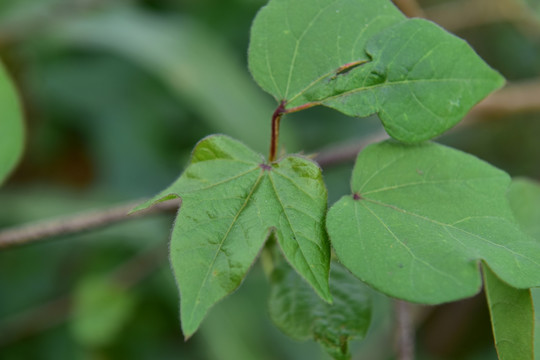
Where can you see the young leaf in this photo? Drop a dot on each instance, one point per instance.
(422, 217)
(231, 201)
(296, 310)
(11, 126)
(363, 57)
(512, 317)
(524, 198)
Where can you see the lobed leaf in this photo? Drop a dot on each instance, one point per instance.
(363, 57)
(296, 310)
(512, 317)
(11, 126)
(420, 220)
(231, 201)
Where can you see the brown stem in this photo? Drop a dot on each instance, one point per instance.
(411, 8)
(301, 107)
(276, 117)
(74, 224)
(464, 14)
(344, 153)
(31, 233)
(405, 330)
(515, 98)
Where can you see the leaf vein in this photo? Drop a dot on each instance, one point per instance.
(321, 286)
(222, 241)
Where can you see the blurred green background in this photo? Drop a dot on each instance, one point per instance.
(116, 94)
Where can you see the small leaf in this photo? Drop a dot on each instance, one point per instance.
(100, 311)
(524, 198)
(420, 220)
(296, 310)
(512, 317)
(11, 126)
(231, 201)
(363, 57)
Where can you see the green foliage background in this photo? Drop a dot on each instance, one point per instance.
(116, 95)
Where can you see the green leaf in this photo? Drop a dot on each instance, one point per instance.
(11, 126)
(296, 42)
(512, 317)
(420, 220)
(363, 57)
(100, 311)
(296, 310)
(231, 201)
(524, 196)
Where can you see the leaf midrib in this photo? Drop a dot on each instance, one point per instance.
(372, 87)
(299, 40)
(427, 182)
(406, 212)
(293, 231)
(413, 255)
(402, 82)
(252, 191)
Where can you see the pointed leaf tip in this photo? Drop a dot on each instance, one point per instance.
(231, 201)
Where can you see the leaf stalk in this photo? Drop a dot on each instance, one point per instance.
(276, 117)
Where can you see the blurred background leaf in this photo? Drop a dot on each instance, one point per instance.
(11, 126)
(100, 310)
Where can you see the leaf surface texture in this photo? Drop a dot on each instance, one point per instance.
(420, 220)
(363, 57)
(231, 201)
(299, 313)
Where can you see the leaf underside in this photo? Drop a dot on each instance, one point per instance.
(299, 313)
(231, 202)
(363, 57)
(512, 318)
(420, 220)
(11, 126)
